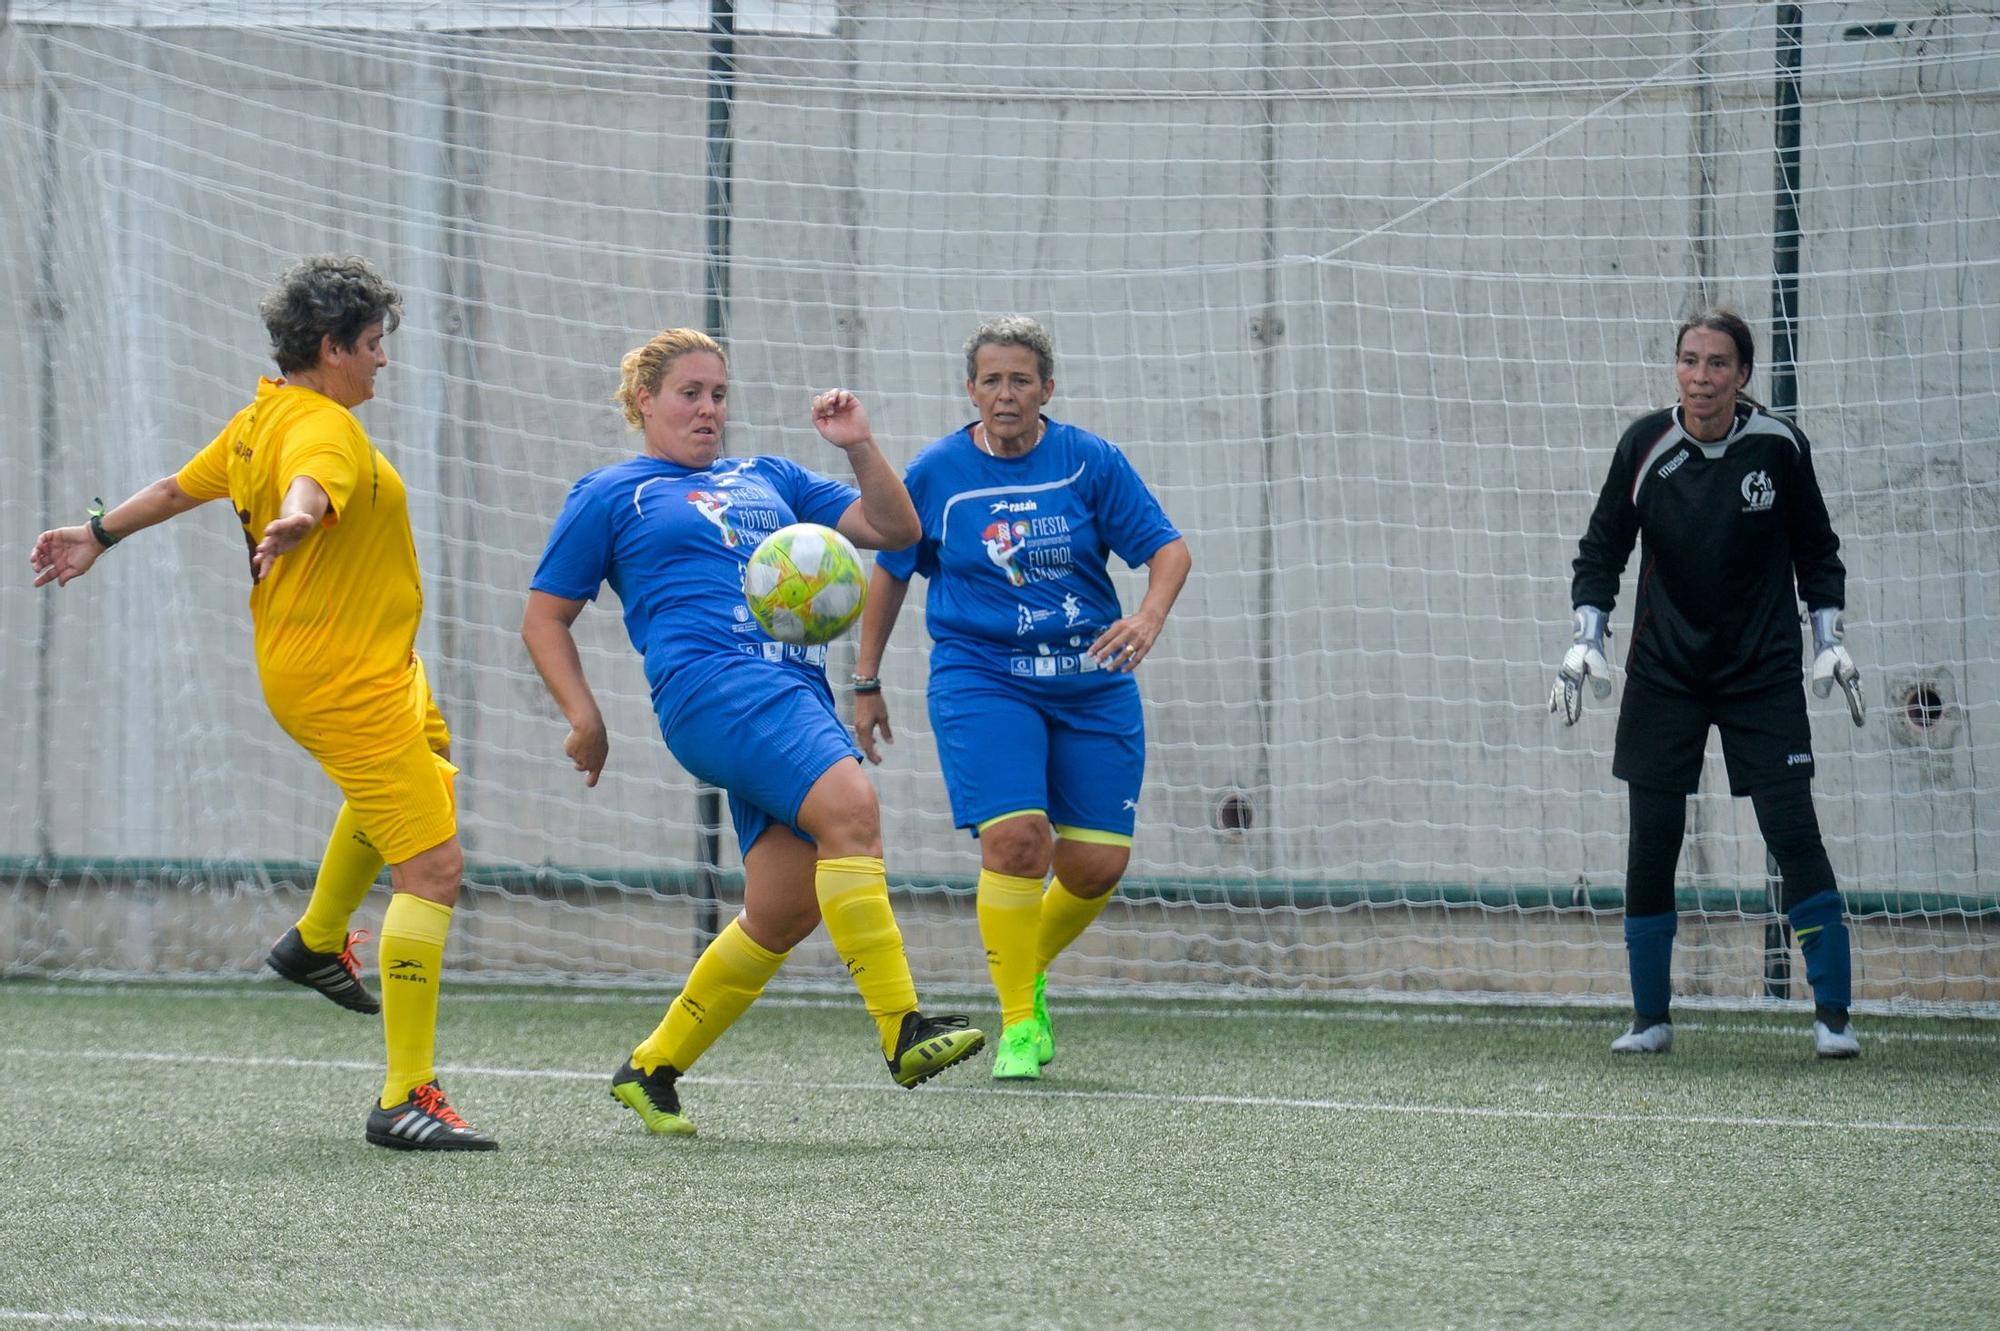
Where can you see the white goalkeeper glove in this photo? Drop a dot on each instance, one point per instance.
(1832, 665)
(1585, 660)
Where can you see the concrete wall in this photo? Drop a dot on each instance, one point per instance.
(1366, 303)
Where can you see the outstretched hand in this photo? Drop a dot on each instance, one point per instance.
(840, 418)
(280, 536)
(62, 554)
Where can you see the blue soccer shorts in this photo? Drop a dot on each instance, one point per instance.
(1073, 746)
(764, 731)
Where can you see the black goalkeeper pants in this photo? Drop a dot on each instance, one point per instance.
(1659, 824)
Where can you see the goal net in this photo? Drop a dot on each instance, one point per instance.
(1365, 291)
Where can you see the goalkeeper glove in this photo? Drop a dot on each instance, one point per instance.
(1831, 663)
(1585, 660)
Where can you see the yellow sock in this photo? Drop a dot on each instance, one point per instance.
(725, 981)
(412, 957)
(346, 872)
(1064, 918)
(1010, 916)
(854, 901)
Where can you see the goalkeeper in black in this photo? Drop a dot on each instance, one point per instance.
(1735, 533)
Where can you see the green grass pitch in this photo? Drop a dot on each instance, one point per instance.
(190, 1156)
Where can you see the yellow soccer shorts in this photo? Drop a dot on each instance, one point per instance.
(403, 795)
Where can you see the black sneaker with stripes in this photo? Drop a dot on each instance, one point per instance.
(425, 1121)
(335, 974)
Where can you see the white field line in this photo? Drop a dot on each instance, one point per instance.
(1612, 1020)
(475, 1071)
(76, 1317)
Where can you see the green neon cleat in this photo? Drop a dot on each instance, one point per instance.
(927, 1046)
(651, 1095)
(1045, 1034)
(1017, 1059)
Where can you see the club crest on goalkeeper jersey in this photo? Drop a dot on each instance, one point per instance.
(336, 618)
(1733, 535)
(1016, 547)
(673, 543)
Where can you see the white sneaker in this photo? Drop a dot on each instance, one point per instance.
(1829, 1043)
(1657, 1038)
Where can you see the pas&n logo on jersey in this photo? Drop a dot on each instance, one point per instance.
(1758, 492)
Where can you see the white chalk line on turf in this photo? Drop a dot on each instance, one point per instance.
(76, 1317)
(1054, 1092)
(1266, 1010)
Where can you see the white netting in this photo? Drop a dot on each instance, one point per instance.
(1366, 291)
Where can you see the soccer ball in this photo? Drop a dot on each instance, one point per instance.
(804, 584)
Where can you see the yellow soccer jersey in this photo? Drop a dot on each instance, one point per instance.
(336, 618)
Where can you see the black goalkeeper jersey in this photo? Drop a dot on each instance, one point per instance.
(1727, 528)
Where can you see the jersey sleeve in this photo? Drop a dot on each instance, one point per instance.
(577, 558)
(1822, 578)
(1131, 519)
(1607, 542)
(813, 497)
(206, 475)
(322, 445)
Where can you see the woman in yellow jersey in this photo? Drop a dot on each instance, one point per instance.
(335, 599)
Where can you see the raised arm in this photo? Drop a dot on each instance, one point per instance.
(883, 518)
(63, 553)
(878, 620)
(545, 628)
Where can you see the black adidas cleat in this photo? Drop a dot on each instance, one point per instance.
(927, 1046)
(425, 1122)
(651, 1095)
(335, 974)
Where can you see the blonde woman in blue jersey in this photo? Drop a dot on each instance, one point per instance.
(1032, 695)
(670, 531)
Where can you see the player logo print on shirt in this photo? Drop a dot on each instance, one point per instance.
(1003, 541)
(1072, 610)
(714, 507)
(1758, 492)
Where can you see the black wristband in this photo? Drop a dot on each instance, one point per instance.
(864, 684)
(97, 532)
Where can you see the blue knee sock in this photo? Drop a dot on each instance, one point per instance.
(1819, 926)
(1649, 947)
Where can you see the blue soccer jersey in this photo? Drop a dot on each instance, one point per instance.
(673, 543)
(1016, 547)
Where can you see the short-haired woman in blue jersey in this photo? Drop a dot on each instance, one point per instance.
(1032, 696)
(670, 530)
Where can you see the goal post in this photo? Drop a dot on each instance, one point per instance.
(1366, 292)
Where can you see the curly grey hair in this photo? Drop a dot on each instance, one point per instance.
(1012, 330)
(325, 295)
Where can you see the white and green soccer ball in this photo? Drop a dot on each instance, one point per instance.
(805, 584)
